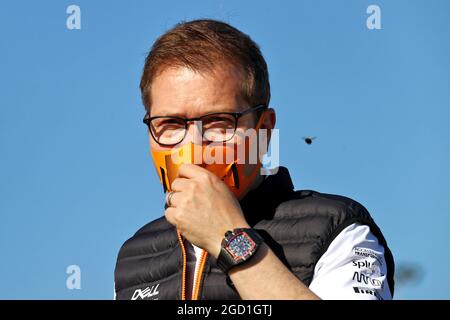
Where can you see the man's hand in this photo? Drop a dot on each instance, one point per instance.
(203, 208)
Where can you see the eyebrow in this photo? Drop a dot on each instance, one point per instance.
(181, 115)
(169, 114)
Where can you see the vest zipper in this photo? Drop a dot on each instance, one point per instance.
(199, 273)
(183, 278)
(198, 278)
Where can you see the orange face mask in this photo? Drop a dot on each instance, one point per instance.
(235, 164)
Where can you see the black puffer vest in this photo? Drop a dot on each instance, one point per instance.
(297, 225)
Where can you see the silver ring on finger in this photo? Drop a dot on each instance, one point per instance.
(169, 198)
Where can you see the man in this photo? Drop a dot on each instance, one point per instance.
(230, 232)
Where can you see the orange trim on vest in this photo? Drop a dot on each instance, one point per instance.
(183, 279)
(197, 284)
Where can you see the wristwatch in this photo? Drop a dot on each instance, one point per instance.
(238, 246)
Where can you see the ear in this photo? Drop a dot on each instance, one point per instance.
(269, 121)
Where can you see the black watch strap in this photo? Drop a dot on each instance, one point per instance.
(225, 261)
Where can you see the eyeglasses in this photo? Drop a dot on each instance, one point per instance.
(216, 126)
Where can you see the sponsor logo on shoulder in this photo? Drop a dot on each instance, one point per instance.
(363, 278)
(371, 268)
(371, 291)
(146, 293)
(367, 253)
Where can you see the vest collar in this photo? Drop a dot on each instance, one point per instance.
(260, 203)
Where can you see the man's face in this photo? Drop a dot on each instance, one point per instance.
(185, 93)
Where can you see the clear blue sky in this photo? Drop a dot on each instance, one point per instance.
(76, 178)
